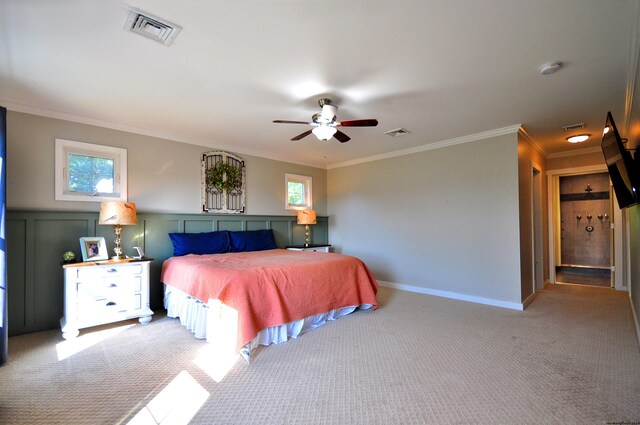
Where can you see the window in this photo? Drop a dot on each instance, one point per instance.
(298, 190)
(87, 172)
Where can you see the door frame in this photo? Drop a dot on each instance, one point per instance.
(620, 230)
(537, 237)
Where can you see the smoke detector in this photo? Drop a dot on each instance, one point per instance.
(550, 68)
(152, 27)
(398, 132)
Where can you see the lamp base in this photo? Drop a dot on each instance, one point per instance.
(118, 248)
(307, 235)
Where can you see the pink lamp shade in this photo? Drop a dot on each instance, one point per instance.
(122, 213)
(307, 217)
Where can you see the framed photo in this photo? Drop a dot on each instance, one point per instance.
(93, 249)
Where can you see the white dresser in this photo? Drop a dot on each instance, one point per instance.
(316, 248)
(99, 293)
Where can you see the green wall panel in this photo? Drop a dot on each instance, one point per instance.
(36, 241)
(17, 274)
(157, 245)
(231, 225)
(256, 225)
(198, 226)
(53, 237)
(282, 231)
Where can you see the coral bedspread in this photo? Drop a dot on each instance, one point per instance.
(273, 287)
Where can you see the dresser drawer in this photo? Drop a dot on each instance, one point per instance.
(108, 306)
(92, 273)
(110, 287)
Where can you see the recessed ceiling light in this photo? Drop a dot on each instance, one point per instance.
(550, 68)
(579, 138)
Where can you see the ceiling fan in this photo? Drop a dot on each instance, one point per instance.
(324, 124)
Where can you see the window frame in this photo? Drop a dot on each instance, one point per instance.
(119, 156)
(308, 195)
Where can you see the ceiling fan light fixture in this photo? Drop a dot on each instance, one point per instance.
(324, 132)
(579, 138)
(328, 113)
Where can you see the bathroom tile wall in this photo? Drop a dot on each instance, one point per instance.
(579, 246)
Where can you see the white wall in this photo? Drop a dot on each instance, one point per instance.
(164, 175)
(633, 213)
(444, 219)
(529, 157)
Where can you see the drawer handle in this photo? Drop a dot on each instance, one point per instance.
(113, 285)
(112, 270)
(110, 303)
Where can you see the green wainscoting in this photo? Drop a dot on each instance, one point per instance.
(36, 241)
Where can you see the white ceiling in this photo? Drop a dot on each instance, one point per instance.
(441, 69)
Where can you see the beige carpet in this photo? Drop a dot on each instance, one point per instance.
(570, 358)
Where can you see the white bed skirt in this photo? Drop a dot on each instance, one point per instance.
(203, 320)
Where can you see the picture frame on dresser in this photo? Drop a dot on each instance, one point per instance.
(93, 249)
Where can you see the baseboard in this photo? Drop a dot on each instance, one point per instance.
(529, 299)
(453, 295)
(634, 313)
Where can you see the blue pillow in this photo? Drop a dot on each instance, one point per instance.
(252, 240)
(200, 243)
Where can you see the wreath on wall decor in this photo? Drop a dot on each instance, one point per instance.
(215, 176)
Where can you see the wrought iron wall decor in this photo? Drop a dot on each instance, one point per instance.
(223, 183)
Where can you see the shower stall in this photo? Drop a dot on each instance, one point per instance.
(585, 230)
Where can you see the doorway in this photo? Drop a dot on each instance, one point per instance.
(585, 230)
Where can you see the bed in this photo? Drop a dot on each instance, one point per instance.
(246, 297)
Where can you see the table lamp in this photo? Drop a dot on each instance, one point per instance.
(307, 217)
(118, 214)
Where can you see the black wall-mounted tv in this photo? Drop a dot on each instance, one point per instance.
(623, 170)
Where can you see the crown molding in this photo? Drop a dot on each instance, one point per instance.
(15, 107)
(576, 152)
(537, 146)
(431, 146)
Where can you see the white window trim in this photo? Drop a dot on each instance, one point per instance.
(119, 155)
(308, 198)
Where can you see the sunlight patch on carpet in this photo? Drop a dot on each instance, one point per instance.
(69, 347)
(216, 362)
(176, 404)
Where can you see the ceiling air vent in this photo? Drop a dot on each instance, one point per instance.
(153, 27)
(573, 127)
(398, 132)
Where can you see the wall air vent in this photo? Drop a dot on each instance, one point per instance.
(398, 132)
(150, 26)
(573, 127)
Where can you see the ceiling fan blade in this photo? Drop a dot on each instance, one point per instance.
(342, 138)
(301, 135)
(289, 122)
(359, 123)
